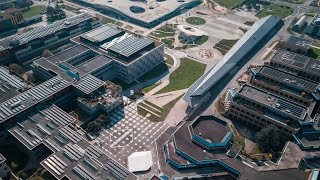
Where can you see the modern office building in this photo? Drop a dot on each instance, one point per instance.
(297, 44)
(300, 23)
(107, 52)
(313, 26)
(24, 47)
(10, 18)
(258, 109)
(187, 152)
(291, 87)
(255, 35)
(297, 64)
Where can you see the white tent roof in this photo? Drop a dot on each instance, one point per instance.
(140, 161)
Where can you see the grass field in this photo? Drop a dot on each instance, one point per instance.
(168, 59)
(195, 20)
(230, 3)
(314, 53)
(168, 28)
(168, 42)
(155, 72)
(237, 138)
(187, 73)
(32, 11)
(202, 40)
(149, 88)
(296, 1)
(160, 34)
(277, 10)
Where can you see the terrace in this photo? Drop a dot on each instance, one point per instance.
(107, 98)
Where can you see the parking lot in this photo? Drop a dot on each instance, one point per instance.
(128, 133)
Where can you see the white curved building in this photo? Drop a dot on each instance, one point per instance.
(189, 33)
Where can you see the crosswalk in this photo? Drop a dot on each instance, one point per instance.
(129, 132)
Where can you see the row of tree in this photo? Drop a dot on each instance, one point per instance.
(55, 13)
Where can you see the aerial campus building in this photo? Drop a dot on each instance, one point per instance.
(76, 75)
(107, 52)
(258, 32)
(24, 47)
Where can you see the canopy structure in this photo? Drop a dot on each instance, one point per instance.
(140, 161)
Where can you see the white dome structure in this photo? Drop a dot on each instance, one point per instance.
(189, 33)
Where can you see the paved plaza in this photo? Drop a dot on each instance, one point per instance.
(128, 133)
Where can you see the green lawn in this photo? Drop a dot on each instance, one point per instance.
(256, 149)
(149, 88)
(164, 111)
(296, 1)
(277, 10)
(32, 11)
(230, 3)
(195, 20)
(155, 72)
(187, 73)
(168, 59)
(314, 53)
(119, 23)
(168, 28)
(202, 40)
(160, 34)
(72, 9)
(168, 42)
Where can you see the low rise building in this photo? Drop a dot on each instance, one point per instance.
(4, 169)
(297, 44)
(258, 109)
(105, 100)
(24, 47)
(313, 27)
(10, 18)
(107, 52)
(297, 64)
(291, 87)
(300, 23)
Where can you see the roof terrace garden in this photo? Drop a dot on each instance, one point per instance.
(108, 94)
(211, 132)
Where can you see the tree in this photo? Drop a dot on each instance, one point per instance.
(16, 68)
(47, 53)
(30, 77)
(269, 139)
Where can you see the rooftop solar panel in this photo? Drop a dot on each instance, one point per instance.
(102, 33)
(130, 45)
(49, 29)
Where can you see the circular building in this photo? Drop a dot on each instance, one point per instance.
(189, 33)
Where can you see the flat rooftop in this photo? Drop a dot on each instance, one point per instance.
(210, 128)
(102, 34)
(44, 31)
(116, 43)
(78, 58)
(184, 143)
(299, 42)
(272, 101)
(287, 78)
(73, 156)
(297, 60)
(9, 84)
